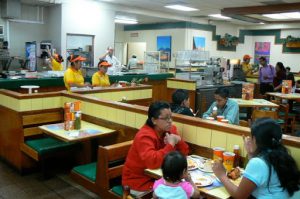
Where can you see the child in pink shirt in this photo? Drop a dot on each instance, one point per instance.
(176, 182)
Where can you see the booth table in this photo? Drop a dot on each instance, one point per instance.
(211, 191)
(290, 96)
(87, 131)
(254, 103)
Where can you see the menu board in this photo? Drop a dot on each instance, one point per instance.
(247, 91)
(286, 86)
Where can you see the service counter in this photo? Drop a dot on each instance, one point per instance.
(202, 135)
(157, 81)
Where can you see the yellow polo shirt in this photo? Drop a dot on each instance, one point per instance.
(73, 76)
(56, 66)
(100, 79)
(247, 68)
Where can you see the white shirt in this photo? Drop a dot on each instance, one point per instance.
(132, 62)
(115, 64)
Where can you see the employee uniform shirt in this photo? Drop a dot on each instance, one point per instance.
(268, 71)
(100, 79)
(182, 190)
(257, 171)
(56, 66)
(230, 111)
(73, 76)
(115, 63)
(247, 68)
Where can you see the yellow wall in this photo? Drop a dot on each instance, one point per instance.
(128, 95)
(182, 85)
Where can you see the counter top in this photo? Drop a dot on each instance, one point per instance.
(13, 84)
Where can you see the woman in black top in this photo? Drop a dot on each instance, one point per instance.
(181, 103)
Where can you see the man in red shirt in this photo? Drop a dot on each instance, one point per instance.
(153, 141)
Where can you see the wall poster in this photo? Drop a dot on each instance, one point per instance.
(262, 49)
(164, 46)
(198, 43)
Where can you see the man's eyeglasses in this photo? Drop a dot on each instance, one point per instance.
(167, 119)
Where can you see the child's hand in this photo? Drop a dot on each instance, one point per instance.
(187, 176)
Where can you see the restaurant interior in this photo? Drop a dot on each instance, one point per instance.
(58, 142)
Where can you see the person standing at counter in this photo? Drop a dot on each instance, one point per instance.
(152, 142)
(181, 103)
(110, 58)
(100, 78)
(271, 171)
(225, 107)
(280, 76)
(247, 67)
(55, 61)
(266, 75)
(73, 76)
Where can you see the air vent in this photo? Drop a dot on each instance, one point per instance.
(10, 9)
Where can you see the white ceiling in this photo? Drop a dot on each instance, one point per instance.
(162, 14)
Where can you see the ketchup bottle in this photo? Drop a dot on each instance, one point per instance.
(236, 151)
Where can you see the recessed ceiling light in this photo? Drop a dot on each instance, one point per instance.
(125, 21)
(181, 7)
(276, 16)
(261, 23)
(219, 16)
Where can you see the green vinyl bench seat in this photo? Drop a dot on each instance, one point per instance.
(87, 170)
(38, 147)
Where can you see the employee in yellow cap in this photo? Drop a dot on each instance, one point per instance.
(56, 61)
(73, 75)
(247, 67)
(100, 78)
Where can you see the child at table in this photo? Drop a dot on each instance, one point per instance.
(176, 181)
(271, 173)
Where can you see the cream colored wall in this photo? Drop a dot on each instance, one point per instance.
(150, 37)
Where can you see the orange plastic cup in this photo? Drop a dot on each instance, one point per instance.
(218, 153)
(77, 105)
(228, 159)
(220, 117)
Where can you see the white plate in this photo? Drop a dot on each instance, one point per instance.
(202, 181)
(192, 164)
(205, 168)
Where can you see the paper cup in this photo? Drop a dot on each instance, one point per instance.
(210, 118)
(218, 153)
(77, 106)
(224, 121)
(228, 159)
(220, 117)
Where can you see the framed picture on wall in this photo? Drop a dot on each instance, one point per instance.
(1, 30)
(164, 46)
(198, 43)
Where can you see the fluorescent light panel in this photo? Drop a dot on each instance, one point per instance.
(219, 16)
(287, 15)
(181, 8)
(125, 20)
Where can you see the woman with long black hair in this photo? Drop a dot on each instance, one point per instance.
(271, 173)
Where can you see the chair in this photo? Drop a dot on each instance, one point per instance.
(98, 176)
(285, 114)
(263, 113)
(244, 123)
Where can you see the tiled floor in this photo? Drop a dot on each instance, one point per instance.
(15, 186)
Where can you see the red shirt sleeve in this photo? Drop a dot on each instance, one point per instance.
(151, 157)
